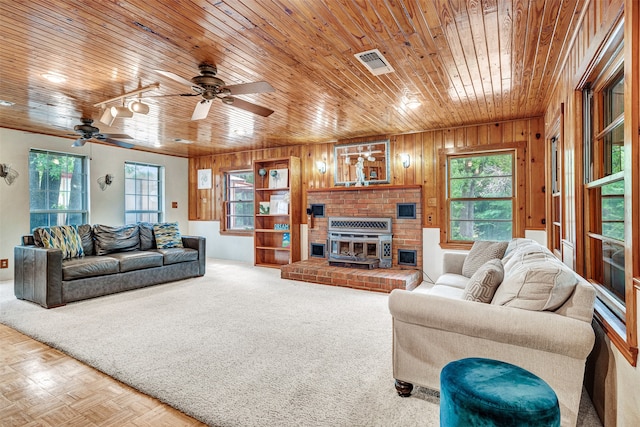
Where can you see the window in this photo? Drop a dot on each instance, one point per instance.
(555, 213)
(238, 200)
(604, 190)
(480, 199)
(57, 188)
(143, 193)
(610, 205)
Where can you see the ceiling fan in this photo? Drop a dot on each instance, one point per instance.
(210, 87)
(87, 132)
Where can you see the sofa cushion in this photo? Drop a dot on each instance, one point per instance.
(484, 282)
(521, 245)
(481, 252)
(446, 292)
(147, 240)
(454, 280)
(86, 235)
(89, 266)
(137, 260)
(175, 255)
(116, 239)
(535, 254)
(167, 235)
(536, 285)
(63, 237)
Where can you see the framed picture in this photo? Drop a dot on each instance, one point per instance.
(278, 178)
(264, 208)
(204, 179)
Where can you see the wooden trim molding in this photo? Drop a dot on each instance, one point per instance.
(616, 331)
(364, 188)
(519, 185)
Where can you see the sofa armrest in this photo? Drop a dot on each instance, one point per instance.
(452, 262)
(200, 244)
(544, 331)
(38, 275)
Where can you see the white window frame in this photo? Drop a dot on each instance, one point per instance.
(137, 187)
(64, 215)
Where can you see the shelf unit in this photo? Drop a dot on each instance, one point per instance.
(283, 219)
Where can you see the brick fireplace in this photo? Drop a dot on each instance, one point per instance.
(402, 204)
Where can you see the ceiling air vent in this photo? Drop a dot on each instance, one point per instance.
(375, 62)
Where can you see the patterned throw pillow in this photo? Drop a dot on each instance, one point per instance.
(484, 282)
(481, 252)
(167, 235)
(63, 237)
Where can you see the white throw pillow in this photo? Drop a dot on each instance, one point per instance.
(481, 252)
(484, 282)
(537, 286)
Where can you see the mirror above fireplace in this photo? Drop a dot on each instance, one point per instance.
(362, 163)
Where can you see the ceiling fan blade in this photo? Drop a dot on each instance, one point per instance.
(116, 136)
(118, 143)
(175, 77)
(170, 94)
(246, 88)
(247, 106)
(79, 142)
(202, 110)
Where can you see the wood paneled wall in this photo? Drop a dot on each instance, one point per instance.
(423, 147)
(598, 20)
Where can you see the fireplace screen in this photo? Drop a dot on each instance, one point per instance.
(365, 241)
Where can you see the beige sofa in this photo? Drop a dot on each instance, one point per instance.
(539, 318)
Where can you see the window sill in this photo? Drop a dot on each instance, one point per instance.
(246, 233)
(457, 246)
(616, 331)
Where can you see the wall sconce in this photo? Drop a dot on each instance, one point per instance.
(405, 159)
(105, 181)
(8, 173)
(322, 166)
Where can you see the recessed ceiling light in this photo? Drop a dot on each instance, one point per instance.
(412, 104)
(6, 103)
(54, 77)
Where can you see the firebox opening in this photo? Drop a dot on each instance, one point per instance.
(317, 250)
(406, 257)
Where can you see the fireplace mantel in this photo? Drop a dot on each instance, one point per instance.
(364, 188)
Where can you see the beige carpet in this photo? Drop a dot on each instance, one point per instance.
(242, 347)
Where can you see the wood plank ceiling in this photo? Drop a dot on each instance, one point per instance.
(466, 62)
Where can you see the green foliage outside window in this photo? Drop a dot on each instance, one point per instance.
(481, 190)
(240, 200)
(57, 189)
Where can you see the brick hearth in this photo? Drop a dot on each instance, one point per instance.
(379, 279)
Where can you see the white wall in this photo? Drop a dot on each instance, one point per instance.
(238, 248)
(106, 207)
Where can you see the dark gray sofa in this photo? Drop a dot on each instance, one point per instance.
(128, 261)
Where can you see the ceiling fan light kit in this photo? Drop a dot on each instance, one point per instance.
(87, 132)
(210, 87)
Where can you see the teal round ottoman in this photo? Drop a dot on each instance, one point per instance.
(486, 392)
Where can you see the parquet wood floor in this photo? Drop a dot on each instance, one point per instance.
(40, 386)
